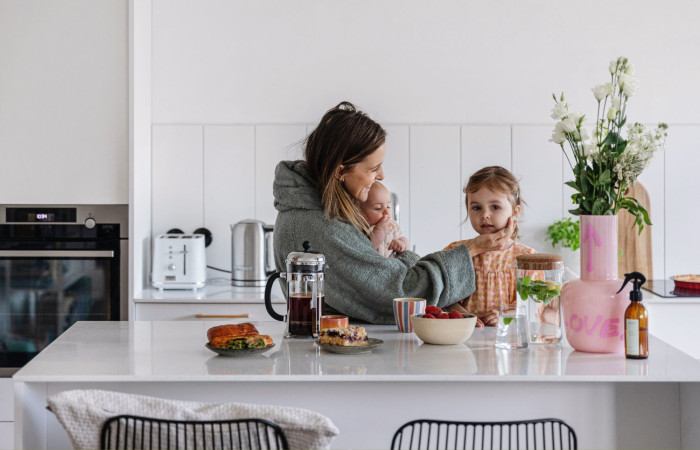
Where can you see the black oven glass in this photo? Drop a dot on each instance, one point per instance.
(52, 276)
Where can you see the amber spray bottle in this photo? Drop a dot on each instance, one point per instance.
(636, 319)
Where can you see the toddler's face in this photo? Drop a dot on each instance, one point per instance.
(378, 203)
(489, 211)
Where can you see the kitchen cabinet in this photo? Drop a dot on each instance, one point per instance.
(7, 413)
(64, 133)
(214, 299)
(597, 394)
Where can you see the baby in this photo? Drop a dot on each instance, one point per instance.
(385, 234)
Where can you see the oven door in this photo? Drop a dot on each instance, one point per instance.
(44, 292)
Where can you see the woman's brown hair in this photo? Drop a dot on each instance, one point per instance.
(496, 179)
(344, 136)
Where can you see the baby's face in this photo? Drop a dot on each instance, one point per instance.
(489, 211)
(378, 203)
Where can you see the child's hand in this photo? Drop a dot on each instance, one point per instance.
(489, 318)
(399, 245)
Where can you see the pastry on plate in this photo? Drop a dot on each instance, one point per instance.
(237, 336)
(352, 336)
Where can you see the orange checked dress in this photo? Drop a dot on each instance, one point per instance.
(495, 278)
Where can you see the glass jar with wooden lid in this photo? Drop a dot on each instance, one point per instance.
(539, 280)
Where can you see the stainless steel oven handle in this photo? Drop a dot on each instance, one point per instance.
(56, 254)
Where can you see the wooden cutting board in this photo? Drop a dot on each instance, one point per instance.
(636, 248)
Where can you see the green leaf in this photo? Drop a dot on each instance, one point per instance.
(508, 320)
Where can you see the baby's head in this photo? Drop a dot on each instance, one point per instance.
(493, 195)
(378, 201)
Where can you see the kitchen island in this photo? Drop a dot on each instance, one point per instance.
(611, 402)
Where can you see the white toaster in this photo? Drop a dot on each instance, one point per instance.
(179, 261)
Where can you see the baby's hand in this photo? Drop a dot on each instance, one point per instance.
(383, 223)
(398, 245)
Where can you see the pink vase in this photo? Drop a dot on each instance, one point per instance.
(593, 310)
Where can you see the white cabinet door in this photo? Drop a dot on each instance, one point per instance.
(537, 164)
(64, 132)
(7, 435)
(682, 213)
(435, 187)
(396, 172)
(177, 178)
(273, 143)
(482, 146)
(188, 311)
(7, 402)
(229, 175)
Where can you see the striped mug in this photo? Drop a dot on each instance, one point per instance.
(405, 308)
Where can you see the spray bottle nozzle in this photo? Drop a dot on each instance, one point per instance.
(638, 280)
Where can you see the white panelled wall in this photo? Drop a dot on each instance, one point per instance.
(216, 175)
(236, 85)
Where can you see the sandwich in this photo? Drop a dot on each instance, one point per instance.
(237, 336)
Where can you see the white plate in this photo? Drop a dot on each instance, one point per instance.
(351, 350)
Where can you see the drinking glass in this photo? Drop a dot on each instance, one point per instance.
(512, 326)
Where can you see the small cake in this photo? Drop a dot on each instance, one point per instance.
(352, 336)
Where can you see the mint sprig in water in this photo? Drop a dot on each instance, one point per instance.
(537, 290)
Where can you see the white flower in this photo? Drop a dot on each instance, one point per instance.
(611, 113)
(582, 134)
(629, 84)
(588, 148)
(558, 138)
(568, 124)
(602, 90)
(615, 103)
(560, 110)
(629, 70)
(613, 67)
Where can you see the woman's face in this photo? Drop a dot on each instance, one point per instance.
(360, 177)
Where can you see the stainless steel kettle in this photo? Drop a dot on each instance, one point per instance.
(252, 257)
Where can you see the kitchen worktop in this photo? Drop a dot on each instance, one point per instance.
(217, 290)
(175, 351)
(402, 380)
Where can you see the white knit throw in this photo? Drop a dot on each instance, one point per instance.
(82, 413)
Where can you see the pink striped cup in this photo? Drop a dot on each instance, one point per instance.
(405, 308)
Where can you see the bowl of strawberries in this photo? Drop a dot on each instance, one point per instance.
(442, 328)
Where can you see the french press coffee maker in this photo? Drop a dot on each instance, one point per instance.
(305, 297)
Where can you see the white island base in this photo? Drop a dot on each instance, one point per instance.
(610, 402)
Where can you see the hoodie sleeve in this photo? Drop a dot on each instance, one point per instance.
(362, 284)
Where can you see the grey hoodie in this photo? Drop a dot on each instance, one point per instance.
(359, 282)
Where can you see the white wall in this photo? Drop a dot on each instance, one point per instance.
(457, 84)
(64, 102)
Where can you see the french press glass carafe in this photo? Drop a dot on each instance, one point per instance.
(305, 297)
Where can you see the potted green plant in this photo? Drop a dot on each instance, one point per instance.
(564, 234)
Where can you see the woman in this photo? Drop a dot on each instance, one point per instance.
(318, 201)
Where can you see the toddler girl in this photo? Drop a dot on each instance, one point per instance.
(385, 234)
(493, 203)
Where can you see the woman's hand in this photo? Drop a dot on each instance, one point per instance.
(489, 242)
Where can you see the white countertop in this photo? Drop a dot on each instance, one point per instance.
(217, 290)
(175, 351)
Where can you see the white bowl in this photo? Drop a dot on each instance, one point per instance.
(443, 331)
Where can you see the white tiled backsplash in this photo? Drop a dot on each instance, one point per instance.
(216, 175)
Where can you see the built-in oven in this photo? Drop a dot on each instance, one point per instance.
(58, 265)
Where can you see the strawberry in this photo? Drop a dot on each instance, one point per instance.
(455, 315)
(434, 310)
(443, 316)
(428, 316)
